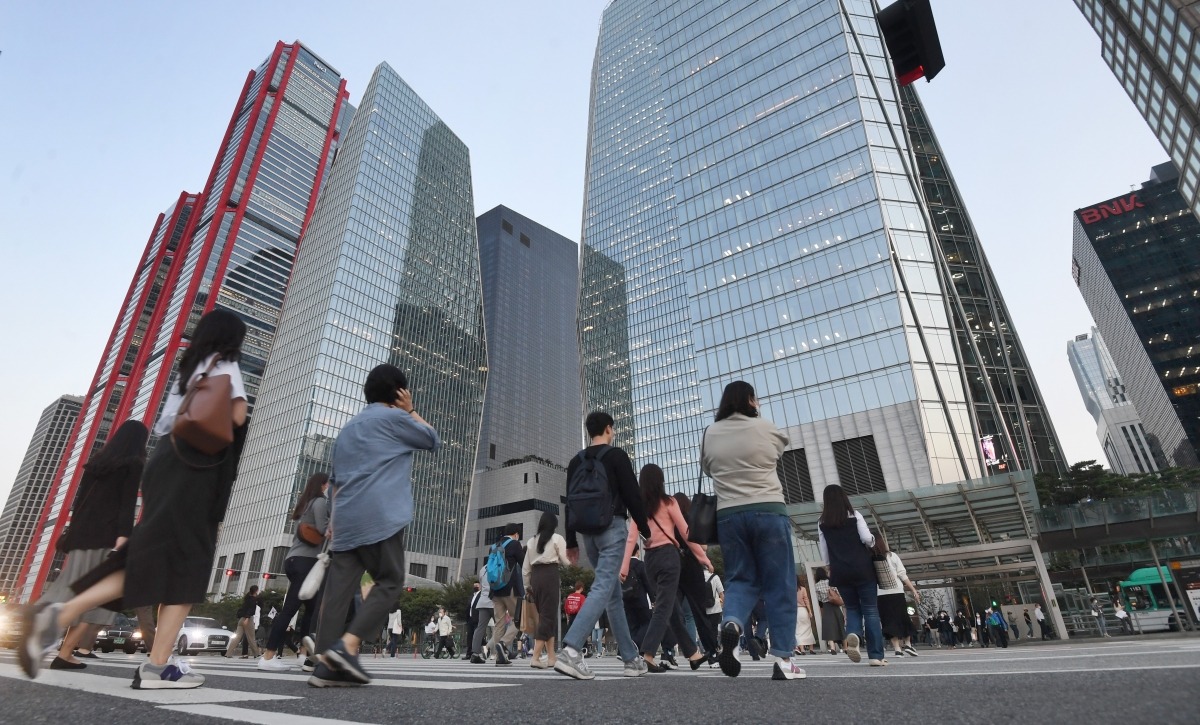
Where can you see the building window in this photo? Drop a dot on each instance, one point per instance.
(493, 534)
(421, 570)
(793, 474)
(516, 507)
(858, 466)
(220, 572)
(492, 451)
(506, 226)
(524, 239)
(441, 575)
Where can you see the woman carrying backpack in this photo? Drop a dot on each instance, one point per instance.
(546, 553)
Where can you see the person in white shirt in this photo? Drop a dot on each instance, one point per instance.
(483, 612)
(395, 627)
(540, 571)
(893, 608)
(444, 628)
(718, 590)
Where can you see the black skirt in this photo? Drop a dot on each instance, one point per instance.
(184, 495)
(545, 584)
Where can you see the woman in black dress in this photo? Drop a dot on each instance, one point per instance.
(168, 558)
(101, 521)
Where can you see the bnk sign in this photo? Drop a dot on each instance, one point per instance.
(1115, 207)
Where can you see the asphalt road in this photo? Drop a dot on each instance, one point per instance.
(1116, 681)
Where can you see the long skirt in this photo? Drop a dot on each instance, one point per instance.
(171, 549)
(79, 562)
(544, 582)
(804, 630)
(833, 623)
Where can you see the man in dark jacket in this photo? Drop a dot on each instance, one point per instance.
(505, 596)
(606, 551)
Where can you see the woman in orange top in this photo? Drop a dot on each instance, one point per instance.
(668, 531)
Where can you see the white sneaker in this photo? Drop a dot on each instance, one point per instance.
(878, 663)
(787, 671)
(850, 647)
(275, 664)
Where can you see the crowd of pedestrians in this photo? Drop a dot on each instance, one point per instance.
(655, 595)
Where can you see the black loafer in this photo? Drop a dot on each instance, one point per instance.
(60, 664)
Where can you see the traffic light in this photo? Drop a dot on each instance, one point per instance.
(266, 576)
(229, 572)
(410, 589)
(912, 40)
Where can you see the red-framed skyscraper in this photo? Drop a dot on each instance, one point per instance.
(231, 246)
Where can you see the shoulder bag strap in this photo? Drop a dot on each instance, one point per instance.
(700, 475)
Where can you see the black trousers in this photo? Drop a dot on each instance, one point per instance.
(472, 623)
(444, 642)
(384, 561)
(662, 569)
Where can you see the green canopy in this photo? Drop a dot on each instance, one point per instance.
(1147, 575)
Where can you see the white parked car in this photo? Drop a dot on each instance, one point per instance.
(202, 634)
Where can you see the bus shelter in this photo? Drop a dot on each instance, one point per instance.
(953, 534)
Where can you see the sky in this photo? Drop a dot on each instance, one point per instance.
(114, 108)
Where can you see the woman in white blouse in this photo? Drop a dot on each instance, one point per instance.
(540, 572)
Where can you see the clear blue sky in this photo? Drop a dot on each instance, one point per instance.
(113, 108)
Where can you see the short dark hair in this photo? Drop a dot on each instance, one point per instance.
(736, 399)
(579, 584)
(512, 528)
(253, 589)
(596, 423)
(382, 383)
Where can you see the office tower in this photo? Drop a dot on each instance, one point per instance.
(27, 497)
(1118, 427)
(388, 273)
(750, 191)
(230, 246)
(532, 413)
(1150, 45)
(1136, 259)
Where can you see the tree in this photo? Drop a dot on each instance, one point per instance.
(417, 606)
(1088, 480)
(457, 595)
(568, 575)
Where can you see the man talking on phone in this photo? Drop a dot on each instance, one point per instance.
(371, 505)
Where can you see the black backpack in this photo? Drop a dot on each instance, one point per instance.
(589, 494)
(632, 589)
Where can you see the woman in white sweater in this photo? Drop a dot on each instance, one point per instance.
(540, 571)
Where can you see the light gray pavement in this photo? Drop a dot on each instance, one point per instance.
(1130, 680)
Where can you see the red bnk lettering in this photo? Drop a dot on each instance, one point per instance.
(1116, 207)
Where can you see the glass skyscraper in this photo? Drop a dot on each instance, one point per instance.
(1136, 259)
(532, 413)
(27, 497)
(230, 246)
(1118, 427)
(1153, 48)
(388, 273)
(754, 210)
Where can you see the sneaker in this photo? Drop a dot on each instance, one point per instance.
(898, 653)
(60, 664)
(309, 665)
(502, 658)
(309, 644)
(275, 664)
(175, 675)
(541, 663)
(39, 632)
(850, 647)
(730, 634)
(324, 676)
(572, 665)
(338, 658)
(634, 668)
(878, 663)
(787, 671)
(476, 659)
(910, 650)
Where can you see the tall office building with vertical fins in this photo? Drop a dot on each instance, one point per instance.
(388, 273)
(230, 246)
(752, 195)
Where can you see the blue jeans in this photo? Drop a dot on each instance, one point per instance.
(760, 564)
(862, 603)
(606, 551)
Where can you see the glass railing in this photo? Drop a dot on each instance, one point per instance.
(1117, 510)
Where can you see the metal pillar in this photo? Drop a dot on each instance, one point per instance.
(1166, 587)
(1056, 618)
(812, 590)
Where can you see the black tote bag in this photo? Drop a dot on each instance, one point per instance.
(702, 517)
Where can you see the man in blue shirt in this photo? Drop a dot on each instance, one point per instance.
(371, 504)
